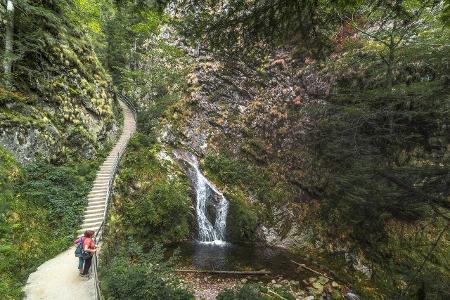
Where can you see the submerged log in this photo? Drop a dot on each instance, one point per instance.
(262, 272)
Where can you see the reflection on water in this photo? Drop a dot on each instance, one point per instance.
(208, 256)
(226, 256)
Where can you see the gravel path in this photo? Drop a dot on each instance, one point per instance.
(58, 278)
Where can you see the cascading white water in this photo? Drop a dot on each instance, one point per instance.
(206, 193)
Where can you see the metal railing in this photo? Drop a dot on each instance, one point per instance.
(99, 233)
(130, 105)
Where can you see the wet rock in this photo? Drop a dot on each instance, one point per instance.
(318, 286)
(277, 286)
(313, 291)
(352, 296)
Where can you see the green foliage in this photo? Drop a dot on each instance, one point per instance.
(149, 23)
(153, 214)
(131, 24)
(10, 173)
(408, 22)
(134, 275)
(446, 13)
(241, 220)
(37, 202)
(383, 161)
(240, 180)
(244, 25)
(61, 190)
(153, 201)
(12, 97)
(254, 291)
(54, 63)
(228, 171)
(91, 14)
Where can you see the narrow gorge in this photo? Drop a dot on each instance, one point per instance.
(284, 149)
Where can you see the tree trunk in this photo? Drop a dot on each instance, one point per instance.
(389, 77)
(389, 63)
(7, 60)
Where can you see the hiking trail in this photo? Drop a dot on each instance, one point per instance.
(58, 277)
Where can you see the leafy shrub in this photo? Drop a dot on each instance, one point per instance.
(253, 292)
(240, 179)
(242, 220)
(151, 200)
(137, 275)
(162, 213)
(9, 174)
(36, 202)
(227, 170)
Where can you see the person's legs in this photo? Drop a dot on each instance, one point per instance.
(80, 264)
(87, 265)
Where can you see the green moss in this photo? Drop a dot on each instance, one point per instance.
(7, 96)
(13, 118)
(242, 218)
(152, 201)
(254, 291)
(264, 183)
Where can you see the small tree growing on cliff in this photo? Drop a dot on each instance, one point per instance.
(390, 25)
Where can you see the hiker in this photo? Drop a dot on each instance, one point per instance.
(88, 251)
(79, 250)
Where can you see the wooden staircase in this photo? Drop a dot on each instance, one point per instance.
(99, 195)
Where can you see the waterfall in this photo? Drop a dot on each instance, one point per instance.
(211, 224)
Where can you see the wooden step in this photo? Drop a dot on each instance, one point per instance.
(95, 202)
(96, 197)
(95, 206)
(101, 184)
(93, 218)
(92, 223)
(97, 192)
(94, 211)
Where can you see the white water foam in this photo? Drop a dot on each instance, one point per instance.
(213, 233)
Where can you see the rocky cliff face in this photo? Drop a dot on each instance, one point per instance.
(258, 114)
(60, 106)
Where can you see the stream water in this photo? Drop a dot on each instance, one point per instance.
(211, 251)
(226, 257)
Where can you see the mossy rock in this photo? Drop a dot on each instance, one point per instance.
(241, 220)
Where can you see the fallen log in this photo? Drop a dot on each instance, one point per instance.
(278, 295)
(262, 272)
(312, 270)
